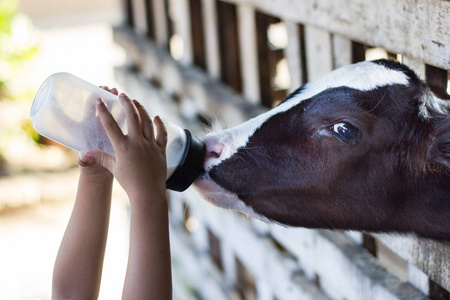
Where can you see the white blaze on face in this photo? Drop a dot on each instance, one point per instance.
(363, 76)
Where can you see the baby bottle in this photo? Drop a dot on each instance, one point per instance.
(64, 110)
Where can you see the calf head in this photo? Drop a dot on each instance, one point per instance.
(366, 147)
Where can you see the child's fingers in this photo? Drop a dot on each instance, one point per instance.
(133, 120)
(101, 157)
(113, 90)
(146, 121)
(161, 136)
(84, 159)
(112, 129)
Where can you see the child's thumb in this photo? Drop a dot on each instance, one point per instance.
(103, 158)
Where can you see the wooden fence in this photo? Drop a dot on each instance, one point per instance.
(218, 63)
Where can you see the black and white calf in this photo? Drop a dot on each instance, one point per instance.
(366, 147)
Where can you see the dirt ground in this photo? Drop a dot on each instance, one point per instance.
(29, 239)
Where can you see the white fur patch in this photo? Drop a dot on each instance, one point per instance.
(432, 104)
(364, 76)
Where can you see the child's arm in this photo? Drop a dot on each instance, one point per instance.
(140, 167)
(78, 266)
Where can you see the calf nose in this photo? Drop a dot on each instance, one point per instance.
(214, 150)
(215, 153)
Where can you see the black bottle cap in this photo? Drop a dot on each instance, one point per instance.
(190, 166)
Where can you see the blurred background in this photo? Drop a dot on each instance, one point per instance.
(38, 179)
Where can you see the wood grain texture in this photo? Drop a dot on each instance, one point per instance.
(418, 29)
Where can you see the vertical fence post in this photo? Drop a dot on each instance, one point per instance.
(248, 50)
(140, 18)
(179, 12)
(342, 51)
(318, 52)
(293, 55)
(417, 66)
(159, 15)
(211, 38)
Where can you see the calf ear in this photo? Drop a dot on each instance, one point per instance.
(440, 149)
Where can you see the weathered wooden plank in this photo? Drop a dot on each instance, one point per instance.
(344, 269)
(247, 39)
(293, 55)
(159, 15)
(355, 236)
(318, 52)
(238, 240)
(432, 257)
(139, 16)
(151, 65)
(418, 29)
(179, 12)
(342, 51)
(196, 269)
(416, 65)
(211, 38)
(126, 37)
(418, 278)
(229, 262)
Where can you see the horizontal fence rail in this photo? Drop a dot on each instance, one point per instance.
(416, 29)
(210, 63)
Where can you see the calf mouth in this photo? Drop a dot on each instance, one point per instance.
(218, 196)
(214, 193)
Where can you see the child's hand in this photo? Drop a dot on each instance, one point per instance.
(140, 162)
(89, 166)
(86, 160)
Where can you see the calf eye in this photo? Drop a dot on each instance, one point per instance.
(346, 131)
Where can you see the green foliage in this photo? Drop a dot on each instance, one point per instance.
(30, 131)
(17, 45)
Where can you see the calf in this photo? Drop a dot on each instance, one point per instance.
(366, 147)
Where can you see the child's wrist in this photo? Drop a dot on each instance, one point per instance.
(97, 175)
(148, 197)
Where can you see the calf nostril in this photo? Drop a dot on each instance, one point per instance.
(214, 150)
